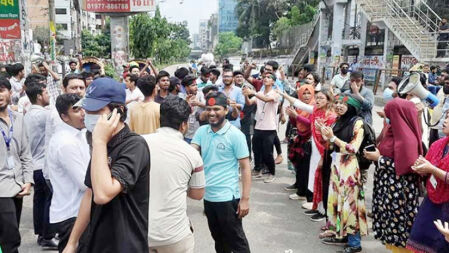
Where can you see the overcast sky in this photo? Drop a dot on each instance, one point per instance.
(191, 11)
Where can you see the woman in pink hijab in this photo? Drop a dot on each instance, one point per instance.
(396, 185)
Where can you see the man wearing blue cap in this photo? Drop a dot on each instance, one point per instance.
(114, 210)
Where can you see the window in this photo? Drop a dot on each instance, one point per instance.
(61, 11)
(64, 26)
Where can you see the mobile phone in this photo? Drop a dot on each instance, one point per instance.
(370, 148)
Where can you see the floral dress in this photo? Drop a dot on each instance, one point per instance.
(395, 203)
(346, 209)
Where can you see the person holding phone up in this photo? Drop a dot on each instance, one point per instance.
(114, 210)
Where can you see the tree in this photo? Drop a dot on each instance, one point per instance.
(97, 45)
(259, 19)
(156, 37)
(42, 35)
(228, 43)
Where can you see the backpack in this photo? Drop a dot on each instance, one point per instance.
(369, 138)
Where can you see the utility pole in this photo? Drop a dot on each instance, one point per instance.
(52, 14)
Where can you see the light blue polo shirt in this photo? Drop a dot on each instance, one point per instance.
(220, 152)
(237, 96)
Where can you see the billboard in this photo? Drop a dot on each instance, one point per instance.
(9, 19)
(117, 6)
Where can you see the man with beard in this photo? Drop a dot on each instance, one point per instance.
(234, 94)
(223, 149)
(196, 101)
(16, 170)
(35, 120)
(439, 113)
(203, 80)
(163, 81)
(53, 78)
(339, 80)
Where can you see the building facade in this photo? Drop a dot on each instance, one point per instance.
(227, 19)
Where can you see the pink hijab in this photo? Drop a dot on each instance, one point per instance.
(402, 139)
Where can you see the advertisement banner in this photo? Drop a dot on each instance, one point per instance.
(117, 6)
(396, 62)
(9, 19)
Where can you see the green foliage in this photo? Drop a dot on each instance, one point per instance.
(97, 45)
(110, 71)
(228, 43)
(159, 39)
(281, 25)
(259, 19)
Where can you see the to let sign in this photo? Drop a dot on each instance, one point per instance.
(118, 6)
(9, 19)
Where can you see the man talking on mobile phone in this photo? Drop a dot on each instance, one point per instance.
(114, 210)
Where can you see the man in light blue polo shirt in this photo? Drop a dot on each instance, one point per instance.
(223, 149)
(233, 93)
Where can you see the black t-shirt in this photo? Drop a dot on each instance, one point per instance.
(122, 224)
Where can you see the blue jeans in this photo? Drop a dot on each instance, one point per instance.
(354, 240)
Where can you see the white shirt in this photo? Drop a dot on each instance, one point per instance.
(175, 167)
(267, 111)
(24, 104)
(338, 81)
(53, 120)
(16, 88)
(67, 160)
(135, 95)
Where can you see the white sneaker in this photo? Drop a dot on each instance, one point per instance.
(269, 179)
(307, 205)
(295, 196)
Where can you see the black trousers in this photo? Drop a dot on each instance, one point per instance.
(326, 175)
(41, 206)
(263, 149)
(302, 174)
(246, 130)
(277, 145)
(225, 226)
(64, 228)
(10, 212)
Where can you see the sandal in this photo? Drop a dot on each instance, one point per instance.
(327, 234)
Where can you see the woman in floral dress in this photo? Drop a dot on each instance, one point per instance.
(346, 203)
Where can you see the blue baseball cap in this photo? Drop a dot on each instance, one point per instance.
(101, 92)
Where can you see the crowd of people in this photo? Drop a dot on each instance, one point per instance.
(112, 163)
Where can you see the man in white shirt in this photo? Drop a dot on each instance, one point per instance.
(17, 73)
(67, 161)
(133, 93)
(176, 173)
(266, 124)
(24, 104)
(72, 84)
(34, 122)
(339, 80)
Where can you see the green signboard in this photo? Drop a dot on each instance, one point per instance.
(9, 9)
(9, 19)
